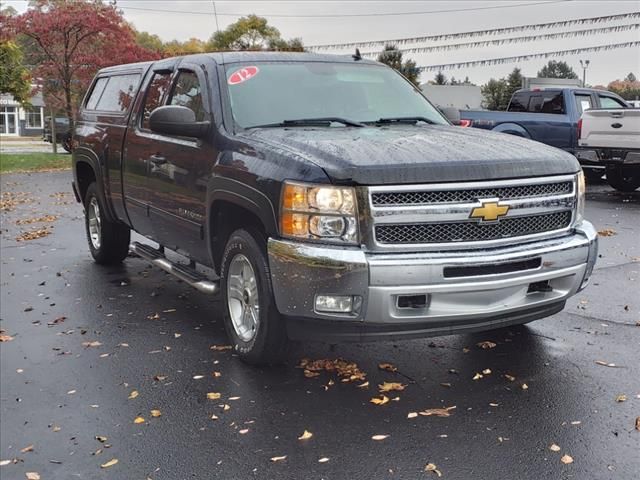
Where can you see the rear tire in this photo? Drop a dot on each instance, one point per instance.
(623, 178)
(255, 328)
(108, 241)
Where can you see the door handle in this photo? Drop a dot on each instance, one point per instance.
(158, 159)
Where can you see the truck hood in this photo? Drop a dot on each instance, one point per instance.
(416, 154)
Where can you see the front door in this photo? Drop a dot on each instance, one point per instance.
(8, 121)
(179, 169)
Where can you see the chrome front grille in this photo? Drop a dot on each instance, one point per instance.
(471, 232)
(440, 216)
(454, 196)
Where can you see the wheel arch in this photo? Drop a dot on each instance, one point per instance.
(512, 129)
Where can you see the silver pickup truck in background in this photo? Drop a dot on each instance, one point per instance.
(613, 138)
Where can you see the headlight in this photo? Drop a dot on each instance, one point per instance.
(582, 187)
(320, 212)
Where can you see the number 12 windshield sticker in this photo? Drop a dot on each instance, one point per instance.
(242, 75)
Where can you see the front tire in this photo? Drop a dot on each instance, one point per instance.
(108, 241)
(623, 178)
(252, 321)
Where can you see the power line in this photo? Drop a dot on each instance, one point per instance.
(343, 15)
(478, 33)
(522, 39)
(524, 58)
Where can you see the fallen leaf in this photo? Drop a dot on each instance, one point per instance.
(306, 435)
(486, 345)
(412, 414)
(100, 438)
(226, 407)
(160, 378)
(347, 371)
(156, 413)
(242, 432)
(133, 394)
(431, 467)
(220, 348)
(95, 343)
(554, 448)
(621, 398)
(5, 338)
(388, 367)
(438, 412)
(511, 378)
(605, 364)
(607, 232)
(381, 400)
(391, 386)
(638, 423)
(32, 476)
(323, 460)
(198, 377)
(278, 459)
(110, 463)
(138, 420)
(213, 396)
(477, 376)
(363, 385)
(217, 374)
(378, 438)
(177, 335)
(566, 459)
(27, 449)
(486, 371)
(524, 386)
(4, 462)
(234, 398)
(214, 417)
(494, 404)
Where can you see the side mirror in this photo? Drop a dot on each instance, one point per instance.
(177, 120)
(452, 114)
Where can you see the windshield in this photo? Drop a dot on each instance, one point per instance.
(271, 93)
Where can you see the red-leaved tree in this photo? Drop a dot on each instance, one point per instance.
(67, 42)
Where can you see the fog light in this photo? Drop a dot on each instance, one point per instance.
(334, 303)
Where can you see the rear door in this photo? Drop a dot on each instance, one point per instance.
(552, 128)
(179, 169)
(139, 147)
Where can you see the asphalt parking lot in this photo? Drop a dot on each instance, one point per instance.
(104, 364)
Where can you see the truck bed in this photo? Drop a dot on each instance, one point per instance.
(611, 128)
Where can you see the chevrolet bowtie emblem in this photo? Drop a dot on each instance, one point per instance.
(489, 211)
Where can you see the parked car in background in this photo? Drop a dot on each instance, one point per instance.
(63, 134)
(332, 200)
(549, 116)
(613, 135)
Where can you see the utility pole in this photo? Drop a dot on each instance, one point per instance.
(584, 65)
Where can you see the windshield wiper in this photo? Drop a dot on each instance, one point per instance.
(314, 122)
(409, 120)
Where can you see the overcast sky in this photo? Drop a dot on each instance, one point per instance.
(605, 66)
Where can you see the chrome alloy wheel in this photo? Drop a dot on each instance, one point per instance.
(243, 299)
(95, 223)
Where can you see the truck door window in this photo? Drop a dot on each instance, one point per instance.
(583, 102)
(155, 93)
(609, 102)
(118, 93)
(187, 93)
(519, 102)
(546, 103)
(96, 93)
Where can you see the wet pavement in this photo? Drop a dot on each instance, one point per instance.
(85, 337)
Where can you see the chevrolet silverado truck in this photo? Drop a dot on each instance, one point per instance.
(324, 197)
(613, 136)
(550, 116)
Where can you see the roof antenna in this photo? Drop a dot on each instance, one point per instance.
(357, 55)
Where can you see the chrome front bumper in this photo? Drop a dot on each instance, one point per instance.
(455, 303)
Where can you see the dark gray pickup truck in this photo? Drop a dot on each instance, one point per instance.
(324, 197)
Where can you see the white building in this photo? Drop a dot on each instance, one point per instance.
(16, 120)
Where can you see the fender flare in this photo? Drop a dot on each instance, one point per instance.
(244, 196)
(512, 129)
(82, 155)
